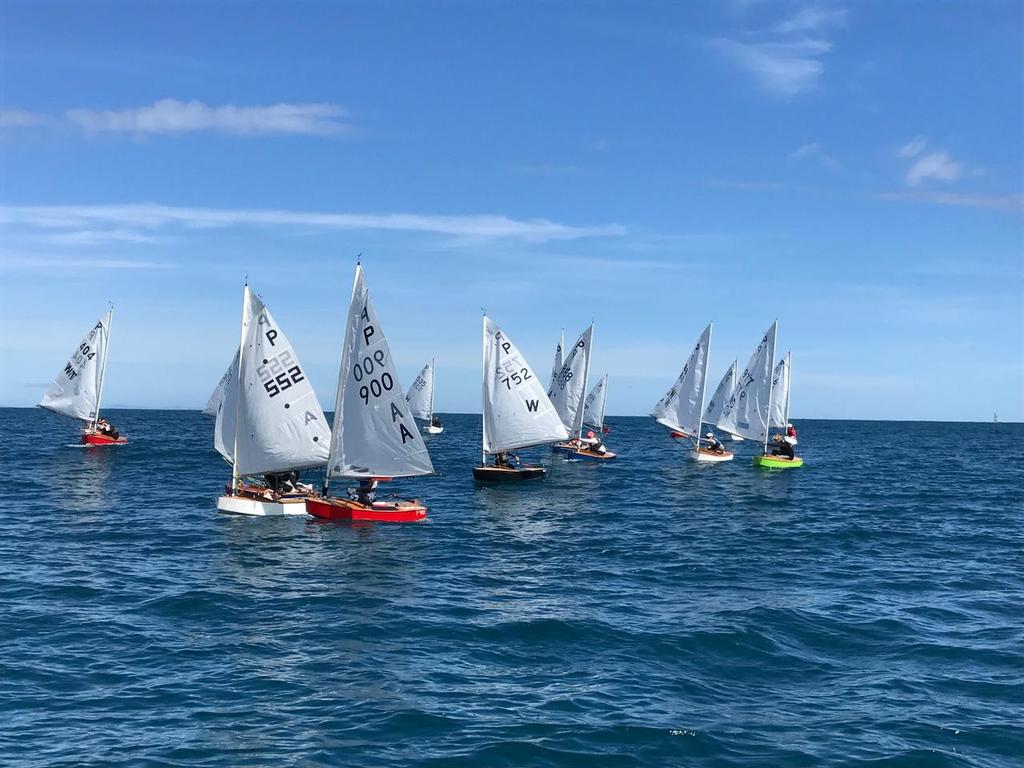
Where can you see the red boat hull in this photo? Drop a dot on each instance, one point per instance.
(380, 511)
(95, 438)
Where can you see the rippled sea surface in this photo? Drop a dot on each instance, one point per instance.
(867, 609)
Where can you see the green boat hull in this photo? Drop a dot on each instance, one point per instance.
(777, 462)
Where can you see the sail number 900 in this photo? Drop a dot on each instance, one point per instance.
(365, 368)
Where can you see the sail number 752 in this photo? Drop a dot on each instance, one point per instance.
(516, 378)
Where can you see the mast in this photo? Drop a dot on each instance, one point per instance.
(771, 377)
(103, 366)
(789, 381)
(586, 375)
(433, 380)
(238, 386)
(704, 385)
(483, 394)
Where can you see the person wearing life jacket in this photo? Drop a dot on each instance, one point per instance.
(790, 436)
(713, 443)
(592, 443)
(782, 447)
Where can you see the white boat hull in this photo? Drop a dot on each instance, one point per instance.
(709, 456)
(429, 430)
(240, 505)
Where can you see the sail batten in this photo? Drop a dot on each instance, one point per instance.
(76, 390)
(374, 434)
(517, 412)
(746, 413)
(680, 408)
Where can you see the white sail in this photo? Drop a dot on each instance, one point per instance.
(421, 394)
(76, 390)
(746, 412)
(374, 434)
(570, 385)
(280, 425)
(593, 408)
(516, 410)
(227, 409)
(721, 395)
(680, 408)
(780, 394)
(217, 396)
(556, 366)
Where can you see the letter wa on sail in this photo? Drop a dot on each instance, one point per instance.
(516, 410)
(680, 408)
(374, 435)
(76, 390)
(746, 412)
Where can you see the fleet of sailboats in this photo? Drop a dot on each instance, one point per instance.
(269, 425)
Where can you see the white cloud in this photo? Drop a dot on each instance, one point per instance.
(29, 263)
(913, 147)
(135, 218)
(1013, 202)
(786, 57)
(20, 118)
(937, 165)
(814, 151)
(170, 116)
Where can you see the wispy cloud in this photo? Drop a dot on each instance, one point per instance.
(170, 116)
(146, 218)
(815, 152)
(913, 148)
(786, 58)
(1011, 202)
(935, 165)
(20, 118)
(29, 263)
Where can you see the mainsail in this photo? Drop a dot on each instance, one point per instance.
(680, 408)
(280, 425)
(421, 394)
(594, 407)
(77, 389)
(556, 366)
(374, 434)
(516, 411)
(570, 385)
(780, 393)
(721, 395)
(746, 412)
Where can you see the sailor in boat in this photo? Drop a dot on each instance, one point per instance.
(435, 421)
(592, 444)
(506, 460)
(782, 447)
(790, 436)
(104, 428)
(365, 493)
(713, 444)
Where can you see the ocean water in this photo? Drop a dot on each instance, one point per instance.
(866, 610)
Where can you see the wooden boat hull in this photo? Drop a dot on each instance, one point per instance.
(777, 462)
(378, 511)
(256, 507)
(492, 474)
(98, 439)
(572, 452)
(711, 457)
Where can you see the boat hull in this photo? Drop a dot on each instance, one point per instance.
(711, 457)
(429, 430)
(246, 505)
(572, 452)
(98, 439)
(492, 474)
(380, 511)
(777, 462)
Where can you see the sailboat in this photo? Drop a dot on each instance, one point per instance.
(747, 412)
(374, 435)
(595, 404)
(556, 366)
(567, 394)
(269, 423)
(516, 411)
(720, 397)
(682, 406)
(779, 412)
(78, 387)
(421, 400)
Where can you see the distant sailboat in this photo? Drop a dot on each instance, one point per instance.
(781, 379)
(269, 423)
(374, 436)
(516, 411)
(421, 400)
(720, 397)
(78, 388)
(567, 394)
(683, 405)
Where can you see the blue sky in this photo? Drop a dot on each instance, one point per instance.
(854, 170)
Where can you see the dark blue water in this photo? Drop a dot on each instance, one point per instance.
(866, 610)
